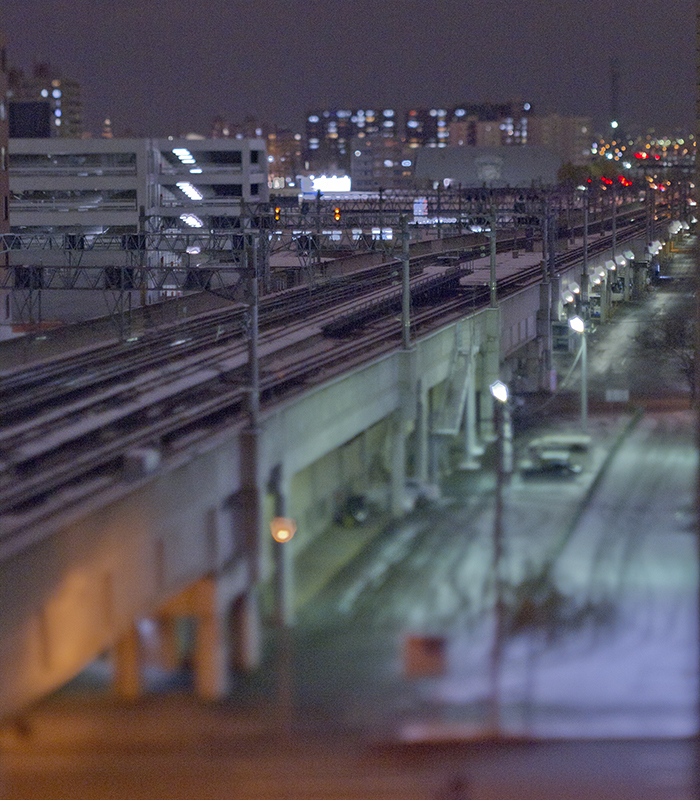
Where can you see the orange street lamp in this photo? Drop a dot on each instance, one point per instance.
(282, 529)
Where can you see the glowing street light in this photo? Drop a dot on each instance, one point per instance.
(282, 529)
(579, 326)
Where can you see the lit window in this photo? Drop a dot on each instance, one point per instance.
(191, 191)
(192, 220)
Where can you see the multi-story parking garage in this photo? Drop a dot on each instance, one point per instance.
(74, 190)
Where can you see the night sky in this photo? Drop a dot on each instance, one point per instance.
(159, 67)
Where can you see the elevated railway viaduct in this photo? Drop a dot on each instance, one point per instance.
(139, 478)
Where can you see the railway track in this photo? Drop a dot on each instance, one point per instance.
(75, 422)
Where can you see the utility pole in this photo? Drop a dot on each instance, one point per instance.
(584, 266)
(406, 285)
(318, 232)
(492, 260)
(254, 399)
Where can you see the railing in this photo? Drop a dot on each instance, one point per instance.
(74, 171)
(43, 206)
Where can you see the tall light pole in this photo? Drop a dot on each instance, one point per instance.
(577, 324)
(500, 393)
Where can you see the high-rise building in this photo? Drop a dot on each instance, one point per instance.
(568, 137)
(469, 124)
(284, 157)
(329, 134)
(44, 105)
(381, 163)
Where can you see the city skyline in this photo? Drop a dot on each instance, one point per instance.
(166, 70)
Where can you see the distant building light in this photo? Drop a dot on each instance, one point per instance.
(460, 112)
(527, 107)
(406, 163)
(334, 183)
(44, 92)
(388, 112)
(57, 112)
(358, 153)
(192, 220)
(313, 118)
(56, 93)
(413, 123)
(388, 162)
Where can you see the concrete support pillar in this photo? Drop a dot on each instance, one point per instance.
(491, 361)
(212, 655)
(472, 446)
(168, 651)
(248, 516)
(127, 661)
(544, 336)
(398, 464)
(422, 432)
(245, 631)
(227, 633)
